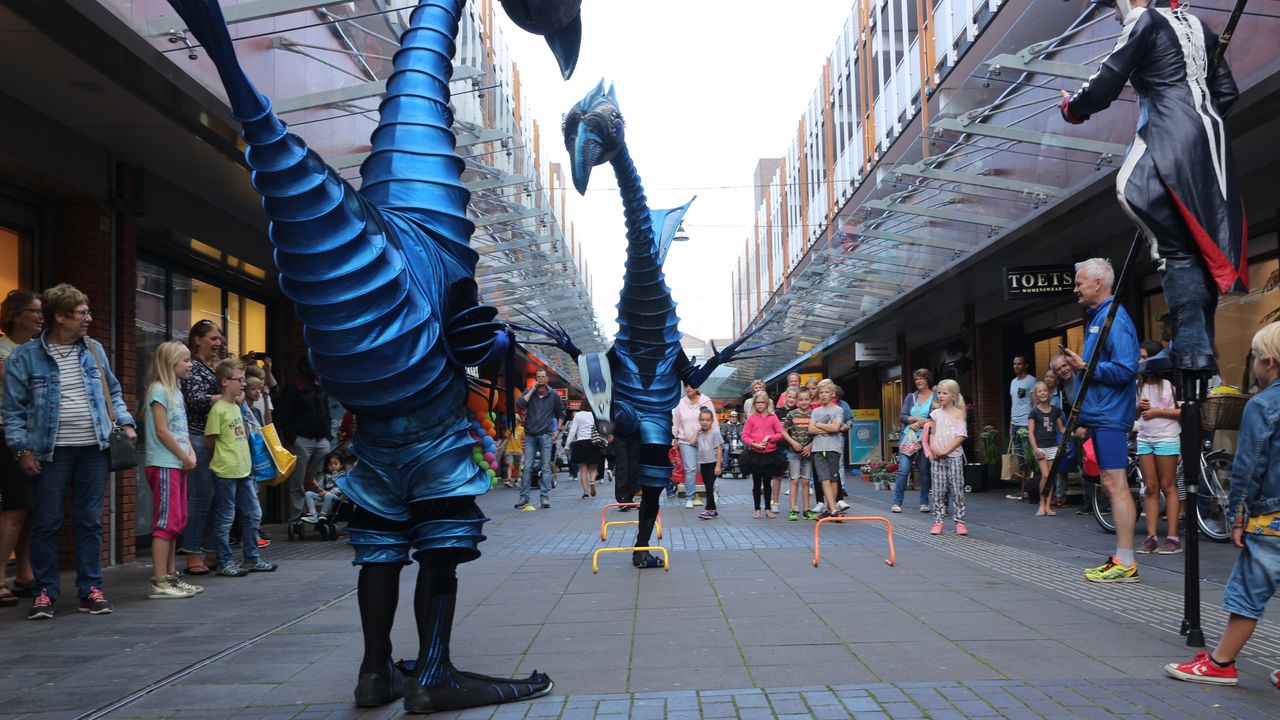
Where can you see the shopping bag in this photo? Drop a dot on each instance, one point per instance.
(1008, 463)
(677, 466)
(264, 464)
(284, 460)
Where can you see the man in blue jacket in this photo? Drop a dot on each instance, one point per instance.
(1108, 408)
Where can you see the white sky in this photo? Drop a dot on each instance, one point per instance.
(707, 87)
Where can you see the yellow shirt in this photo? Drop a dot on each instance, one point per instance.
(231, 449)
(1268, 524)
(515, 443)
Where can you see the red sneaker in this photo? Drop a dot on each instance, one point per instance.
(1275, 678)
(1203, 670)
(961, 529)
(936, 530)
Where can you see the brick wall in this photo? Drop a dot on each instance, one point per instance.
(82, 257)
(990, 387)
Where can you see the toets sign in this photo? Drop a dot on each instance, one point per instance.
(1038, 280)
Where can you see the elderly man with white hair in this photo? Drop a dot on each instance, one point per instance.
(1108, 409)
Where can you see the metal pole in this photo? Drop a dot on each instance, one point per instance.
(1193, 388)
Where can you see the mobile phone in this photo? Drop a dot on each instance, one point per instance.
(1062, 347)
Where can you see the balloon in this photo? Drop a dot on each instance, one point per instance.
(493, 416)
(490, 457)
(492, 475)
(493, 466)
(492, 432)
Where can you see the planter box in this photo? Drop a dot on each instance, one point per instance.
(975, 477)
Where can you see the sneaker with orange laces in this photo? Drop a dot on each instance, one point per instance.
(95, 603)
(1204, 670)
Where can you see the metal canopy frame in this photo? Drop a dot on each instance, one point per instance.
(935, 212)
(1034, 137)
(1019, 186)
(1022, 62)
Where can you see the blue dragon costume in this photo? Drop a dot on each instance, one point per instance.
(383, 282)
(632, 388)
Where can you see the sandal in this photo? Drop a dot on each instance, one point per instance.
(769, 514)
(756, 515)
(200, 569)
(7, 598)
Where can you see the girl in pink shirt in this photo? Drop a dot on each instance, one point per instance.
(761, 435)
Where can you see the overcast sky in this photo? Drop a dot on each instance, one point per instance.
(707, 88)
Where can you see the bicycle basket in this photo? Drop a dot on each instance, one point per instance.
(1222, 412)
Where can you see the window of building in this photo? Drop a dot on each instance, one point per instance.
(890, 407)
(15, 266)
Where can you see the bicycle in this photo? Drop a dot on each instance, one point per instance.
(1211, 498)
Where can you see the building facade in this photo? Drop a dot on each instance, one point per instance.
(931, 195)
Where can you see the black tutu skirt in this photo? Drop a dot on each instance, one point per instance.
(768, 464)
(585, 452)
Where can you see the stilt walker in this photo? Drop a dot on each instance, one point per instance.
(1178, 184)
(383, 280)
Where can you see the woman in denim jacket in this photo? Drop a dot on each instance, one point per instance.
(57, 426)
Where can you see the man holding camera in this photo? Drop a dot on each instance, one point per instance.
(543, 413)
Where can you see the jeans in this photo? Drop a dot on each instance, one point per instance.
(197, 536)
(310, 452)
(532, 444)
(84, 470)
(232, 496)
(904, 471)
(326, 503)
(689, 458)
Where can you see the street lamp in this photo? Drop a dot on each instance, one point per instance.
(681, 235)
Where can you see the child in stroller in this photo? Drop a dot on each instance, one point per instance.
(326, 493)
(732, 432)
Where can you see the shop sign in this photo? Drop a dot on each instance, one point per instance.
(864, 437)
(1039, 280)
(574, 405)
(874, 351)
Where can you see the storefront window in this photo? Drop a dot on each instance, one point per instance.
(890, 409)
(10, 260)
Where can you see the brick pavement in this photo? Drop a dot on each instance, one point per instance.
(742, 626)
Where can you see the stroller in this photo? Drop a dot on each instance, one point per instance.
(734, 448)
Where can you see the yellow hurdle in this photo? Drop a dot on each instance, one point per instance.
(595, 557)
(604, 524)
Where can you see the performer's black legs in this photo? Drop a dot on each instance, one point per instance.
(378, 591)
(436, 684)
(649, 497)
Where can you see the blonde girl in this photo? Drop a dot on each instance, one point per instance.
(947, 432)
(169, 457)
(1045, 426)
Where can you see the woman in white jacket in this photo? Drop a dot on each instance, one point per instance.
(684, 429)
(582, 451)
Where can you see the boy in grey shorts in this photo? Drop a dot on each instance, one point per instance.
(795, 430)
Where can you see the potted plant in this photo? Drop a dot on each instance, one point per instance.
(881, 473)
(989, 452)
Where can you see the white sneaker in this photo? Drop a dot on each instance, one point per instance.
(176, 580)
(842, 506)
(819, 508)
(162, 589)
(924, 508)
(689, 503)
(896, 508)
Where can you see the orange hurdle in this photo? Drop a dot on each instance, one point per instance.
(875, 518)
(604, 526)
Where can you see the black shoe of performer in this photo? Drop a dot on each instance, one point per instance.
(375, 689)
(459, 690)
(646, 559)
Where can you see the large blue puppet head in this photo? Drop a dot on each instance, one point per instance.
(559, 21)
(593, 133)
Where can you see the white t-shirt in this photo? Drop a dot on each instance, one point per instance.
(75, 420)
(580, 427)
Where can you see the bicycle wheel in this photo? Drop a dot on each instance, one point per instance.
(1211, 500)
(1102, 508)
